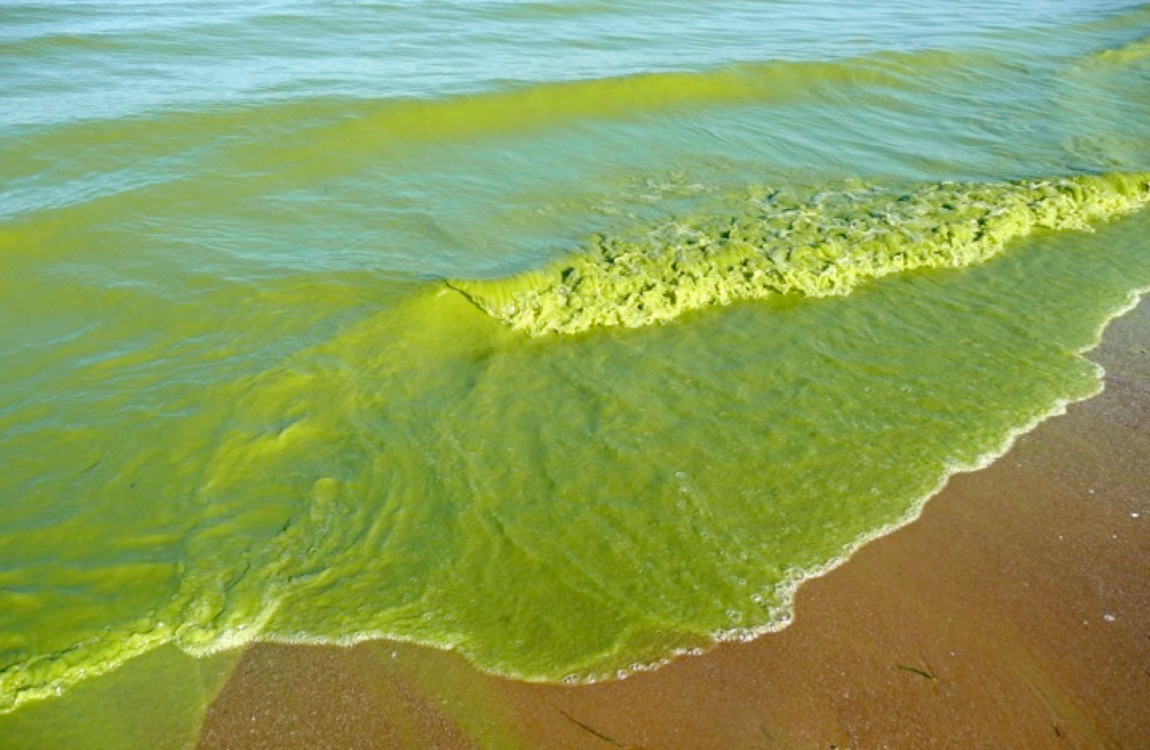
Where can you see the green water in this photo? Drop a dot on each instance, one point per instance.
(566, 335)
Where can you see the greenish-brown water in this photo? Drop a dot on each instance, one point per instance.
(244, 397)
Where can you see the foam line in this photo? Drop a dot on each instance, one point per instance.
(822, 245)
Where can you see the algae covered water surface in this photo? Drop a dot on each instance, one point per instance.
(568, 335)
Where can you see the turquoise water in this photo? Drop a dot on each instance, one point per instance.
(568, 335)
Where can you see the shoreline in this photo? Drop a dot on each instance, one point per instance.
(1011, 613)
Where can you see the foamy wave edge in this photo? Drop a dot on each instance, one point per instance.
(771, 242)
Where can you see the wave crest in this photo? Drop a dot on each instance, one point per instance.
(773, 242)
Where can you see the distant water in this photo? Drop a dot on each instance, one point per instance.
(568, 335)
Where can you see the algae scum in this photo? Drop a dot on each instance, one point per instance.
(826, 246)
(571, 345)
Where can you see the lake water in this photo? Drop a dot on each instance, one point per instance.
(568, 335)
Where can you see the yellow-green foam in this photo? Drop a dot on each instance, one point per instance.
(778, 243)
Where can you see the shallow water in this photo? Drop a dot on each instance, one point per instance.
(264, 367)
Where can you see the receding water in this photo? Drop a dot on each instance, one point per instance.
(568, 335)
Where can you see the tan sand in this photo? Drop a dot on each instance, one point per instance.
(1014, 614)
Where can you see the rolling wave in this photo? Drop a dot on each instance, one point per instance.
(825, 245)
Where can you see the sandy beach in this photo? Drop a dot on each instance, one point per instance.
(1013, 613)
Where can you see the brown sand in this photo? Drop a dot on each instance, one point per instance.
(1014, 614)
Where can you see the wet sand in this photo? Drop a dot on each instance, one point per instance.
(1014, 614)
